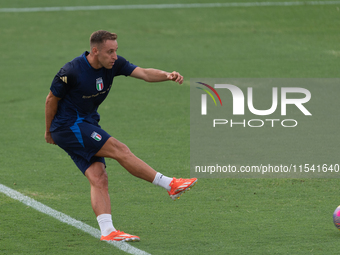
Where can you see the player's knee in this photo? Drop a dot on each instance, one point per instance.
(122, 151)
(101, 181)
(98, 179)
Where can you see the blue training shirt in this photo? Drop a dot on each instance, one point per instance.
(82, 89)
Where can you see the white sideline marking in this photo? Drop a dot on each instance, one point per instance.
(67, 219)
(164, 6)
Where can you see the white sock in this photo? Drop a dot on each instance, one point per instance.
(105, 224)
(162, 181)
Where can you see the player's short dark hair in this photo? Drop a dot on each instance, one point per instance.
(101, 36)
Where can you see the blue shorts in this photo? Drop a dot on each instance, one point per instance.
(81, 141)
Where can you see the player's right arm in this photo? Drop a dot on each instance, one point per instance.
(51, 107)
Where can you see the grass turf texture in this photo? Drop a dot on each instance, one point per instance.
(219, 216)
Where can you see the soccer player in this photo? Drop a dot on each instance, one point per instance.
(72, 119)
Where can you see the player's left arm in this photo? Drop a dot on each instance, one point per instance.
(155, 75)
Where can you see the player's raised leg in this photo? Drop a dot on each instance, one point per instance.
(116, 150)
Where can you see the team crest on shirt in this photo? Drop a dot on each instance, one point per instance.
(96, 136)
(99, 84)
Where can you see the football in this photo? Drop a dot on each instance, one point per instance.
(336, 217)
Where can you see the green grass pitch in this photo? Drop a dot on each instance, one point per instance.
(218, 216)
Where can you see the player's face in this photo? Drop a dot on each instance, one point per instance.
(107, 53)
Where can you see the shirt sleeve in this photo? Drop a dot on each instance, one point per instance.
(124, 67)
(63, 81)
